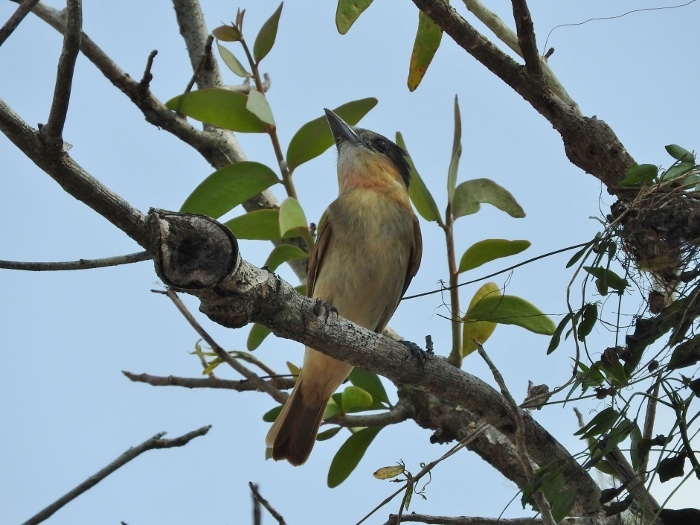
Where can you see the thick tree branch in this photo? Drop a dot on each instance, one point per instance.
(71, 177)
(526, 40)
(150, 444)
(23, 10)
(589, 143)
(53, 130)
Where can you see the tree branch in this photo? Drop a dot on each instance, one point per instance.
(23, 10)
(259, 500)
(589, 143)
(82, 264)
(150, 444)
(526, 40)
(53, 130)
(243, 385)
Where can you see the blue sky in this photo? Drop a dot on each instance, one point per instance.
(67, 410)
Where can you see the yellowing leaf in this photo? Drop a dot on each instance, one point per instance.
(426, 44)
(389, 472)
(479, 330)
(347, 12)
(488, 250)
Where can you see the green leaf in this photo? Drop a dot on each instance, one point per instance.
(471, 194)
(258, 106)
(685, 354)
(333, 407)
(266, 37)
(601, 423)
(228, 187)
(510, 309)
(315, 137)
(679, 153)
(563, 503)
(256, 336)
(456, 154)
(390, 472)
(488, 250)
(219, 107)
(638, 174)
(259, 225)
(478, 330)
(420, 196)
(588, 320)
(355, 397)
(607, 278)
(350, 454)
(232, 62)
(370, 382)
(556, 337)
(347, 12)
(575, 258)
(291, 216)
(271, 415)
(677, 170)
(426, 44)
(283, 253)
(327, 434)
(227, 33)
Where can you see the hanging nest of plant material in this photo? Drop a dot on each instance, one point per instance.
(660, 232)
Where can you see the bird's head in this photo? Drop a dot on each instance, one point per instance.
(368, 160)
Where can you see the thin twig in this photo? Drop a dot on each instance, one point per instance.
(257, 498)
(200, 65)
(66, 66)
(147, 75)
(526, 39)
(520, 446)
(205, 382)
(261, 385)
(23, 10)
(150, 444)
(81, 264)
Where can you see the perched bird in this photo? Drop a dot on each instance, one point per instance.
(367, 251)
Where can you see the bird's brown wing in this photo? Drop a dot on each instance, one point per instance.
(415, 256)
(322, 239)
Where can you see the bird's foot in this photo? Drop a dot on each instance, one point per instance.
(325, 308)
(417, 352)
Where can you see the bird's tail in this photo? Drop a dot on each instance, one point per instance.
(293, 433)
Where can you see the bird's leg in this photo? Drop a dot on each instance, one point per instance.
(323, 307)
(417, 352)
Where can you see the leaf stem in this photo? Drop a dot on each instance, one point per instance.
(456, 353)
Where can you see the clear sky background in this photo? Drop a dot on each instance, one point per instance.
(67, 410)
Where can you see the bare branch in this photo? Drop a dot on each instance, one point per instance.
(258, 499)
(66, 66)
(261, 385)
(538, 495)
(82, 264)
(469, 520)
(526, 39)
(150, 444)
(206, 382)
(23, 10)
(72, 177)
(206, 57)
(147, 75)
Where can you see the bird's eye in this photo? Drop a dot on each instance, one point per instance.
(381, 146)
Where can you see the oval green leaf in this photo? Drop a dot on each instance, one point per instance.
(327, 434)
(283, 253)
(219, 107)
(588, 320)
(420, 196)
(607, 278)
(259, 225)
(258, 106)
(556, 337)
(427, 41)
(271, 415)
(232, 62)
(350, 454)
(680, 153)
(510, 309)
(639, 174)
(291, 216)
(347, 12)
(488, 250)
(228, 187)
(355, 397)
(471, 194)
(370, 382)
(256, 336)
(227, 33)
(266, 37)
(315, 137)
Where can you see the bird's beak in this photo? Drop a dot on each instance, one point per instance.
(341, 131)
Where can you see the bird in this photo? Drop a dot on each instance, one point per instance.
(367, 250)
